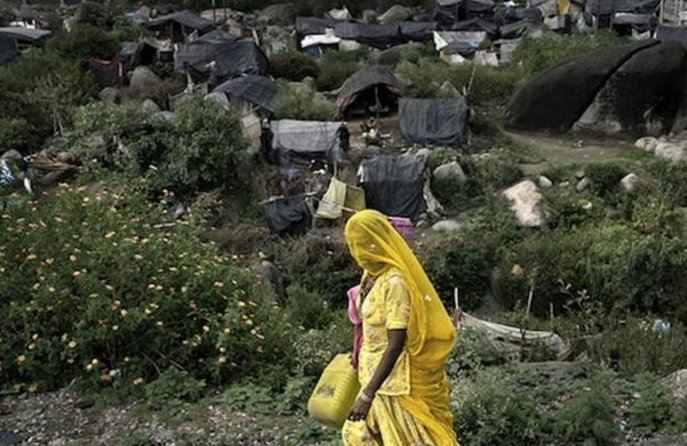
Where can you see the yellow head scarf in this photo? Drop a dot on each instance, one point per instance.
(376, 246)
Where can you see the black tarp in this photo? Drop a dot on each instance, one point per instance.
(258, 90)
(609, 7)
(306, 26)
(299, 143)
(374, 35)
(666, 33)
(479, 6)
(184, 18)
(418, 31)
(640, 22)
(35, 37)
(435, 121)
(531, 15)
(8, 50)
(232, 59)
(394, 185)
(288, 216)
(365, 80)
(515, 30)
(134, 54)
(465, 49)
(476, 24)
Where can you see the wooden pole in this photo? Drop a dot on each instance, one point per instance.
(529, 302)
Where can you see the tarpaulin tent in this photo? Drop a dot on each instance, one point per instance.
(435, 121)
(258, 90)
(374, 35)
(607, 8)
(394, 184)
(515, 30)
(302, 142)
(289, 216)
(306, 26)
(443, 38)
(8, 50)
(666, 33)
(26, 36)
(374, 86)
(134, 54)
(640, 22)
(184, 21)
(418, 31)
(105, 72)
(476, 24)
(231, 59)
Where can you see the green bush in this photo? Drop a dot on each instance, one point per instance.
(173, 386)
(473, 352)
(653, 411)
(309, 310)
(153, 299)
(569, 209)
(633, 347)
(83, 42)
(301, 102)
(671, 180)
(316, 348)
(18, 134)
(293, 66)
(487, 411)
(605, 178)
(336, 67)
(588, 419)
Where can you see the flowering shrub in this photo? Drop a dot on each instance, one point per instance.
(91, 290)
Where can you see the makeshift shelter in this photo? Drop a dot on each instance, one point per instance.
(373, 89)
(180, 25)
(222, 59)
(394, 184)
(339, 200)
(299, 143)
(418, 31)
(105, 72)
(288, 216)
(26, 36)
(435, 121)
(259, 91)
(374, 35)
(476, 24)
(134, 54)
(8, 50)
(472, 38)
(306, 26)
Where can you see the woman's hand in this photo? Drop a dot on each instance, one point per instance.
(359, 410)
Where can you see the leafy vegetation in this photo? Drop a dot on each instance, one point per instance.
(301, 102)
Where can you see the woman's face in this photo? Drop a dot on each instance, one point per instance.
(365, 250)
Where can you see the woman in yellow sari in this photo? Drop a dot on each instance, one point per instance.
(407, 336)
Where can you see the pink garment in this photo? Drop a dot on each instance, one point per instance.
(354, 317)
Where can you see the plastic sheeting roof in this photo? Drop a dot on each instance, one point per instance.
(298, 142)
(435, 121)
(258, 90)
(375, 35)
(313, 25)
(443, 38)
(185, 18)
(24, 34)
(368, 77)
(232, 59)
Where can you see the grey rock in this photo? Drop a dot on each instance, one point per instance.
(11, 155)
(630, 182)
(527, 203)
(670, 151)
(450, 171)
(677, 383)
(109, 95)
(647, 143)
(396, 13)
(544, 182)
(580, 174)
(150, 106)
(583, 184)
(144, 83)
(447, 226)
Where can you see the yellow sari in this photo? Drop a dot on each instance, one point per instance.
(412, 406)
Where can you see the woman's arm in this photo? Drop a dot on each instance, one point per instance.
(397, 340)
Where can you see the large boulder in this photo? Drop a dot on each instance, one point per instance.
(450, 171)
(144, 83)
(677, 383)
(527, 204)
(555, 99)
(644, 95)
(396, 13)
(671, 151)
(280, 14)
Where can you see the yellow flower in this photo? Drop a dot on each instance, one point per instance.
(76, 273)
(123, 313)
(35, 336)
(49, 261)
(72, 344)
(184, 290)
(89, 367)
(33, 388)
(206, 328)
(159, 323)
(31, 257)
(72, 258)
(218, 284)
(138, 257)
(109, 287)
(222, 349)
(21, 358)
(110, 234)
(241, 303)
(115, 327)
(32, 346)
(222, 360)
(249, 322)
(147, 311)
(227, 331)
(64, 338)
(138, 381)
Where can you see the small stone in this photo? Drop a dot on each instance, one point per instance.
(544, 182)
(580, 174)
(564, 184)
(647, 144)
(583, 184)
(517, 270)
(630, 183)
(447, 226)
